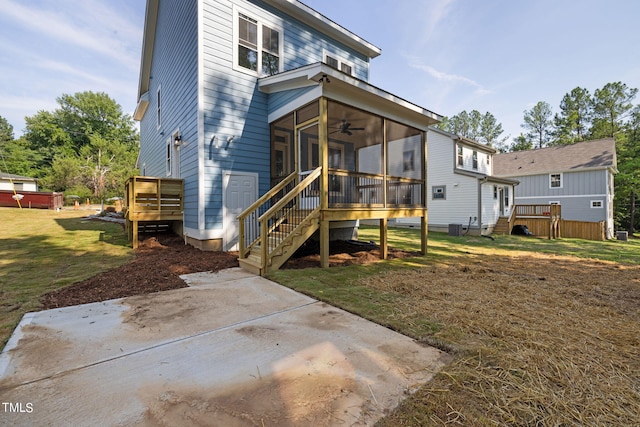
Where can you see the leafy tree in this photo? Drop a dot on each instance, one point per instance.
(521, 143)
(86, 142)
(538, 123)
(476, 126)
(627, 181)
(572, 123)
(610, 105)
(6, 131)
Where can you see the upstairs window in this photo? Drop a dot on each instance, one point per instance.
(259, 46)
(338, 64)
(460, 156)
(555, 180)
(475, 159)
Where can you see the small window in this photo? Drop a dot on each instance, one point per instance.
(332, 62)
(408, 164)
(488, 159)
(506, 196)
(439, 192)
(475, 159)
(169, 151)
(555, 180)
(158, 109)
(18, 186)
(460, 156)
(338, 64)
(596, 204)
(258, 46)
(495, 192)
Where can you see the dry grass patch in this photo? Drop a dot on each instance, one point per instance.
(541, 340)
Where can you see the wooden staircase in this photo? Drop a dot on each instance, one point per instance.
(284, 240)
(502, 226)
(278, 223)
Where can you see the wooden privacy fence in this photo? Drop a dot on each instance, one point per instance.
(567, 228)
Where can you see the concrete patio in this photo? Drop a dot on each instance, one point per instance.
(233, 349)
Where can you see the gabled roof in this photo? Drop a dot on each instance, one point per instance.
(588, 155)
(327, 81)
(16, 177)
(293, 8)
(464, 140)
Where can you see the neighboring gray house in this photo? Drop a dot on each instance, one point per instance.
(237, 95)
(579, 177)
(13, 182)
(462, 186)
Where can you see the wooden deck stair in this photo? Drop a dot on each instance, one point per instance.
(285, 240)
(278, 223)
(502, 227)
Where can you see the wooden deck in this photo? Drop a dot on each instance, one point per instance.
(152, 203)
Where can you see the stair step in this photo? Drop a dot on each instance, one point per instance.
(250, 266)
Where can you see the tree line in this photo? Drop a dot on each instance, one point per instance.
(607, 113)
(86, 147)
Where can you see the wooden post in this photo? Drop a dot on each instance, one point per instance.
(423, 234)
(323, 139)
(324, 243)
(384, 252)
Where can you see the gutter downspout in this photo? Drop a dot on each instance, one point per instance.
(480, 182)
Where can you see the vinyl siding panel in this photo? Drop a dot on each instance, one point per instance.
(461, 191)
(174, 70)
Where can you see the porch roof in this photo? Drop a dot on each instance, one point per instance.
(323, 80)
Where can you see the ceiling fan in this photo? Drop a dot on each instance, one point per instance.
(345, 127)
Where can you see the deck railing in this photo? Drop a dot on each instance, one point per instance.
(537, 211)
(349, 189)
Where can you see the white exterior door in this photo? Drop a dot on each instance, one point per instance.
(240, 191)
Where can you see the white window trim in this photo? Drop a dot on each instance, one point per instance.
(443, 192)
(341, 60)
(159, 107)
(554, 202)
(596, 201)
(168, 155)
(272, 23)
(561, 180)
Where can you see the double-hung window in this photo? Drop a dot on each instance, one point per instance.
(460, 156)
(259, 46)
(555, 180)
(475, 159)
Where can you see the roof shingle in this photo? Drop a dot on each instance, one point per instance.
(596, 154)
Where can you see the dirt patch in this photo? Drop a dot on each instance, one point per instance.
(161, 259)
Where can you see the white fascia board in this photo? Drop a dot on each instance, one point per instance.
(141, 108)
(148, 41)
(325, 25)
(350, 90)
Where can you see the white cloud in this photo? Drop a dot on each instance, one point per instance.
(88, 25)
(449, 77)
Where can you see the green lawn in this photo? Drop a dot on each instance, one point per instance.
(43, 250)
(543, 332)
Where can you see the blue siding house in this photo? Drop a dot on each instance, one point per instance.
(579, 177)
(237, 95)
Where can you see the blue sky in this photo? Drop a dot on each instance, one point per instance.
(445, 55)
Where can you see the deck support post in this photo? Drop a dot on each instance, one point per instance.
(383, 238)
(324, 243)
(423, 234)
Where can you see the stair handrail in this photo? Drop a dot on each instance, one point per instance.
(291, 194)
(263, 220)
(242, 249)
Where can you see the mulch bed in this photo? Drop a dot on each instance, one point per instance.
(161, 259)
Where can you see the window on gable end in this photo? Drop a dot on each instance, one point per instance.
(258, 47)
